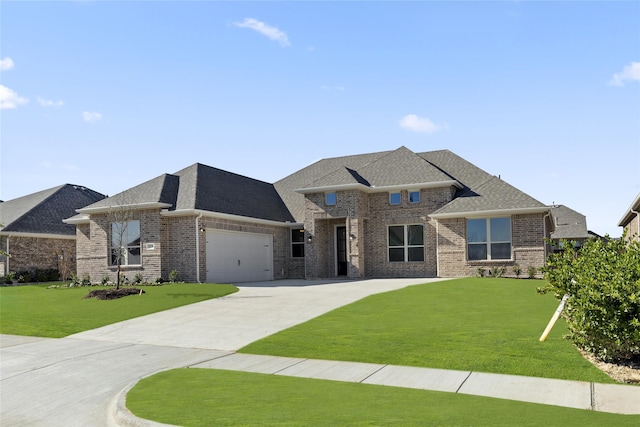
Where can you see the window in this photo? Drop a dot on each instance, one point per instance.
(414, 196)
(125, 243)
(297, 243)
(395, 198)
(488, 238)
(330, 199)
(406, 243)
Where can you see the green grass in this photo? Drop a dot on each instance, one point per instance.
(58, 312)
(476, 324)
(204, 397)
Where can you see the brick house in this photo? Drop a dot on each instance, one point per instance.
(388, 214)
(630, 221)
(33, 233)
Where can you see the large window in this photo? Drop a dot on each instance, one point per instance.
(297, 243)
(488, 238)
(125, 243)
(406, 243)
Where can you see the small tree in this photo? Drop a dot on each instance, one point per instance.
(119, 217)
(602, 280)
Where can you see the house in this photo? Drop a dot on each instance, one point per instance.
(33, 233)
(386, 214)
(569, 225)
(630, 221)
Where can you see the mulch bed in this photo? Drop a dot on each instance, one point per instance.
(108, 294)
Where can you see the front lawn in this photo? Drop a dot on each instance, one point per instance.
(475, 324)
(58, 312)
(206, 397)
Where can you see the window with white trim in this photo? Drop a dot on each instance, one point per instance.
(406, 243)
(488, 238)
(414, 196)
(330, 199)
(297, 243)
(125, 243)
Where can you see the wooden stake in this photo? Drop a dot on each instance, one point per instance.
(554, 318)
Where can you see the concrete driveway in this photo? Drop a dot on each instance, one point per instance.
(72, 381)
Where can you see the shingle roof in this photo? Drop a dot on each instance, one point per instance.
(201, 187)
(481, 191)
(43, 212)
(630, 213)
(569, 224)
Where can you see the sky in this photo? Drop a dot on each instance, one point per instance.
(110, 94)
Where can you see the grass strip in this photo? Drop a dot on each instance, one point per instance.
(58, 312)
(204, 397)
(475, 324)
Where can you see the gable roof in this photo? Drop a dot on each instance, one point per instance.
(478, 192)
(42, 212)
(569, 224)
(201, 188)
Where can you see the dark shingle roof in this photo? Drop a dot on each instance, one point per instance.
(43, 212)
(569, 224)
(201, 187)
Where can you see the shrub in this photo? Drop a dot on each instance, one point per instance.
(517, 270)
(105, 280)
(602, 280)
(86, 281)
(173, 276)
(497, 271)
(137, 278)
(481, 272)
(532, 271)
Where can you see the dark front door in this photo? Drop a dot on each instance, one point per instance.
(341, 250)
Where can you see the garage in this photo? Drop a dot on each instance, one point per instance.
(238, 257)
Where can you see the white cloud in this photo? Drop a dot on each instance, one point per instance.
(266, 30)
(628, 73)
(91, 117)
(418, 124)
(49, 102)
(9, 99)
(6, 64)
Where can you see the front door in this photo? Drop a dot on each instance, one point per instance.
(341, 250)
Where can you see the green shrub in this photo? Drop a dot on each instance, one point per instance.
(603, 282)
(497, 271)
(481, 272)
(532, 271)
(137, 278)
(173, 276)
(517, 270)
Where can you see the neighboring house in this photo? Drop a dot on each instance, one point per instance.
(388, 214)
(32, 230)
(630, 221)
(569, 225)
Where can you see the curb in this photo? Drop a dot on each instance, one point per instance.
(119, 416)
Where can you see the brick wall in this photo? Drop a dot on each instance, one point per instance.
(31, 253)
(527, 245)
(632, 229)
(367, 217)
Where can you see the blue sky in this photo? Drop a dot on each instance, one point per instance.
(111, 94)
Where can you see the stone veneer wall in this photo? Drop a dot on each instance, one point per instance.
(527, 245)
(31, 253)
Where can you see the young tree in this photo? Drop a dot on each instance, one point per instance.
(602, 280)
(124, 234)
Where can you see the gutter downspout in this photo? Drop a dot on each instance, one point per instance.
(198, 248)
(637, 214)
(437, 248)
(544, 225)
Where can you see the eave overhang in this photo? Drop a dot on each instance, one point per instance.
(133, 206)
(630, 213)
(490, 213)
(37, 235)
(231, 217)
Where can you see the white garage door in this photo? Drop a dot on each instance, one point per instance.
(238, 257)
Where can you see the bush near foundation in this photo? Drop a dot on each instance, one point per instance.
(603, 282)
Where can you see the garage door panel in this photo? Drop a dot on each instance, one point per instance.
(239, 257)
